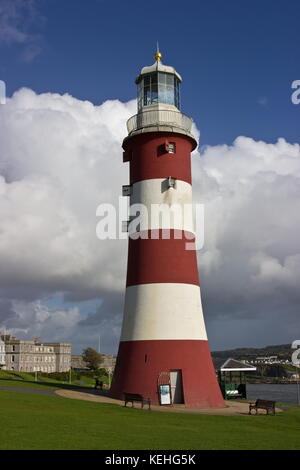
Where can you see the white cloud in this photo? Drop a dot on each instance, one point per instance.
(18, 20)
(263, 101)
(250, 263)
(61, 157)
(34, 319)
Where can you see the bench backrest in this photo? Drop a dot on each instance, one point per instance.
(269, 403)
(133, 396)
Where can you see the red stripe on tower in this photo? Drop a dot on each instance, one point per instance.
(150, 158)
(163, 338)
(161, 260)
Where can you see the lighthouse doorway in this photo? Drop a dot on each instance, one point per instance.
(176, 386)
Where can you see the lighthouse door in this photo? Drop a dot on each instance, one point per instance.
(176, 386)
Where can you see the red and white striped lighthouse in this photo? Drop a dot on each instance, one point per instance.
(163, 338)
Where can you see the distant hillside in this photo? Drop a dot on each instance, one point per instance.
(283, 351)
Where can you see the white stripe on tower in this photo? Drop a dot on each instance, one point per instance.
(176, 202)
(163, 311)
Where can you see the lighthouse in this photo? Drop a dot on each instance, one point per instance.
(163, 345)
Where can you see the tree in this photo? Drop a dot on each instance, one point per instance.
(92, 358)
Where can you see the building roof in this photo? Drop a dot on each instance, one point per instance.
(158, 66)
(232, 365)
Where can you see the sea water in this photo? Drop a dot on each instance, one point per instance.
(285, 393)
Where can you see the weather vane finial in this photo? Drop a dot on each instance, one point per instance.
(158, 54)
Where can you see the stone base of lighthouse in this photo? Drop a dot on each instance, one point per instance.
(142, 365)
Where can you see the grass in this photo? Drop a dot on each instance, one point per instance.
(27, 380)
(83, 380)
(46, 422)
(24, 380)
(21, 384)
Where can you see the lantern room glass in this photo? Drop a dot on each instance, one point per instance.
(158, 88)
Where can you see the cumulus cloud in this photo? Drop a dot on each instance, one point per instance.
(250, 265)
(33, 319)
(61, 157)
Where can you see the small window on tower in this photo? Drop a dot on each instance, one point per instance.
(171, 147)
(171, 182)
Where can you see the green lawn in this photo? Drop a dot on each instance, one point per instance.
(26, 379)
(46, 422)
(22, 377)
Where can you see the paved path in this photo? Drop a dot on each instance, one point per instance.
(232, 407)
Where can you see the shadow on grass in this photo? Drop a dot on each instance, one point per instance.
(56, 385)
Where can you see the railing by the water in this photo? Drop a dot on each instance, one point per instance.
(160, 117)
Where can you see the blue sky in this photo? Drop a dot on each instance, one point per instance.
(238, 58)
(60, 157)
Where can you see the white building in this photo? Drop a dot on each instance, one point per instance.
(267, 360)
(2, 354)
(33, 356)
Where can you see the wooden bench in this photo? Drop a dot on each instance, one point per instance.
(267, 405)
(132, 397)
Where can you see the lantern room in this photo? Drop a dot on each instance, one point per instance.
(158, 84)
